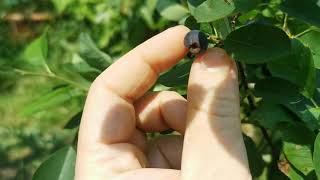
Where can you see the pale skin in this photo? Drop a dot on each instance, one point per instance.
(118, 111)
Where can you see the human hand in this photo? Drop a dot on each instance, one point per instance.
(112, 143)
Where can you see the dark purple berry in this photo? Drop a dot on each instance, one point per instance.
(196, 41)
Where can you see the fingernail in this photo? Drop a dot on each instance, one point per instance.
(216, 59)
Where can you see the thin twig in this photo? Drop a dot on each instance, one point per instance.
(54, 76)
(285, 25)
(245, 85)
(314, 103)
(214, 29)
(303, 32)
(215, 38)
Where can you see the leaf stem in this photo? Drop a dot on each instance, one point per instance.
(303, 32)
(84, 88)
(314, 103)
(215, 35)
(214, 38)
(50, 74)
(48, 69)
(285, 25)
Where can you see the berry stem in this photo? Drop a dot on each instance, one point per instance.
(285, 25)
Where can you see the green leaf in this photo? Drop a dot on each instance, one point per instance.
(286, 168)
(76, 78)
(316, 155)
(249, 16)
(52, 99)
(256, 163)
(312, 40)
(206, 28)
(147, 11)
(270, 115)
(36, 53)
(222, 27)
(305, 110)
(78, 69)
(177, 76)
(308, 11)
(297, 148)
(257, 43)
(61, 5)
(74, 121)
(191, 23)
(81, 66)
(300, 156)
(210, 10)
(245, 5)
(277, 90)
(91, 54)
(60, 166)
(172, 10)
(311, 117)
(297, 67)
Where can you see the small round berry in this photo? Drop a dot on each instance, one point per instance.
(196, 41)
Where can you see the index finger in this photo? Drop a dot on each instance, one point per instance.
(126, 80)
(133, 74)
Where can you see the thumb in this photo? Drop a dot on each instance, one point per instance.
(213, 144)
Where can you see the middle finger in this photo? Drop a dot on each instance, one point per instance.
(159, 111)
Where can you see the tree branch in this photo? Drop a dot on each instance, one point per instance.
(252, 106)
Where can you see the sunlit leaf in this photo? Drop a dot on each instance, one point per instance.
(297, 148)
(36, 53)
(172, 9)
(210, 10)
(316, 156)
(286, 168)
(61, 5)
